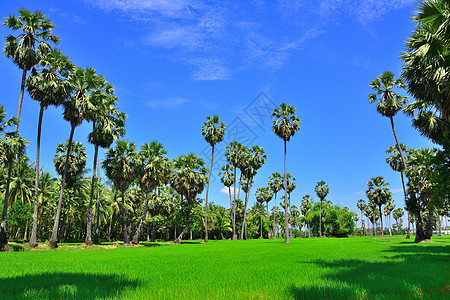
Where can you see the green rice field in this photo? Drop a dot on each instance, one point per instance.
(347, 268)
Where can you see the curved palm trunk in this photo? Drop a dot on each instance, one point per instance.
(97, 211)
(320, 218)
(404, 192)
(4, 246)
(381, 221)
(244, 222)
(286, 221)
(33, 238)
(141, 222)
(234, 207)
(206, 198)
(126, 239)
(398, 144)
(88, 241)
(53, 243)
(22, 89)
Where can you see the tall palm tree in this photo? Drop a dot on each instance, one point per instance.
(76, 109)
(275, 182)
(50, 86)
(12, 147)
(253, 162)
(378, 194)
(227, 179)
(389, 102)
(120, 168)
(290, 188)
(285, 125)
(153, 170)
(26, 48)
(233, 153)
(69, 161)
(361, 204)
(307, 204)
(108, 125)
(263, 195)
(322, 191)
(396, 164)
(189, 180)
(213, 132)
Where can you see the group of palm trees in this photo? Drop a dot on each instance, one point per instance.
(425, 77)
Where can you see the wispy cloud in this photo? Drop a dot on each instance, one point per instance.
(218, 39)
(168, 102)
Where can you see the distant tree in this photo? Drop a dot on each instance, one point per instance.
(361, 206)
(275, 184)
(378, 194)
(307, 204)
(398, 214)
(263, 195)
(322, 191)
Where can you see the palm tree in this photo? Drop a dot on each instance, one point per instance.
(50, 87)
(322, 191)
(252, 162)
(119, 165)
(307, 204)
(12, 147)
(275, 181)
(378, 194)
(290, 188)
(107, 126)
(398, 214)
(153, 170)
(213, 132)
(285, 125)
(68, 164)
(361, 206)
(396, 164)
(389, 102)
(26, 48)
(189, 180)
(233, 153)
(227, 179)
(263, 195)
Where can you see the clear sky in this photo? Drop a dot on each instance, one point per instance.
(173, 63)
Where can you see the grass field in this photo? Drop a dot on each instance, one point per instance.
(355, 268)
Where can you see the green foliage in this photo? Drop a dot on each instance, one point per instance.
(336, 221)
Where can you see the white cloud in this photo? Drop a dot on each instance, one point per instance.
(167, 103)
(396, 191)
(224, 190)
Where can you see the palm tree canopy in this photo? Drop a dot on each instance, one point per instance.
(389, 102)
(395, 160)
(361, 204)
(51, 86)
(36, 29)
(377, 191)
(119, 164)
(286, 123)
(213, 131)
(228, 178)
(153, 168)
(290, 180)
(77, 159)
(264, 194)
(233, 153)
(321, 189)
(190, 178)
(276, 182)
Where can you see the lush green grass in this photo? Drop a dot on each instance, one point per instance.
(307, 268)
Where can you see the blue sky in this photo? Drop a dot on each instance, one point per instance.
(173, 63)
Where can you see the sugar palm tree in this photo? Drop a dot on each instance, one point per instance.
(389, 102)
(227, 179)
(213, 132)
(12, 147)
(322, 191)
(264, 194)
(50, 86)
(361, 204)
(275, 183)
(189, 180)
(69, 163)
(26, 48)
(285, 125)
(119, 165)
(153, 170)
(307, 204)
(378, 194)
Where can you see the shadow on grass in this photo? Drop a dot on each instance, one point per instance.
(65, 286)
(413, 272)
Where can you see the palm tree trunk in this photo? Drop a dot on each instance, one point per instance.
(234, 208)
(53, 243)
(244, 223)
(286, 221)
(404, 193)
(33, 238)
(25, 235)
(22, 89)
(188, 224)
(126, 239)
(398, 144)
(420, 233)
(88, 241)
(206, 198)
(373, 223)
(320, 218)
(429, 224)
(261, 225)
(97, 211)
(275, 219)
(141, 222)
(381, 221)
(309, 229)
